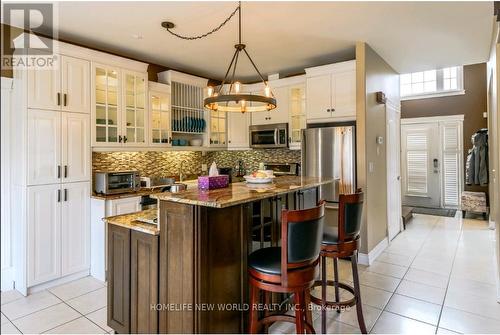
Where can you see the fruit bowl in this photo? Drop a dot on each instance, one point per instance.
(258, 180)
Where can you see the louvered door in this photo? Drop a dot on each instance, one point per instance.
(452, 150)
(421, 165)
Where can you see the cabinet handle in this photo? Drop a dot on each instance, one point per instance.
(58, 99)
(124, 139)
(333, 109)
(65, 171)
(65, 194)
(328, 110)
(229, 141)
(58, 195)
(120, 138)
(65, 98)
(58, 171)
(170, 140)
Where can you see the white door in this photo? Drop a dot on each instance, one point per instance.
(44, 233)
(393, 148)
(75, 77)
(344, 94)
(125, 205)
(421, 165)
(318, 96)
(75, 227)
(280, 113)
(238, 130)
(76, 159)
(44, 147)
(44, 89)
(452, 156)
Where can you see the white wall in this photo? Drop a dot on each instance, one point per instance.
(7, 282)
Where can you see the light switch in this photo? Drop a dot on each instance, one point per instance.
(371, 167)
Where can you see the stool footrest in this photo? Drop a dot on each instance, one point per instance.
(345, 303)
(284, 318)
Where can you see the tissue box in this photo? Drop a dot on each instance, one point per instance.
(210, 183)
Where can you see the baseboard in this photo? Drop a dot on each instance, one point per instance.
(7, 282)
(60, 281)
(368, 259)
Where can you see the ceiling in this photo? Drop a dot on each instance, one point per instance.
(284, 37)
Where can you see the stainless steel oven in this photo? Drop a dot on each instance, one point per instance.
(269, 136)
(116, 182)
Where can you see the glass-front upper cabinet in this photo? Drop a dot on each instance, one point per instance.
(297, 115)
(159, 114)
(218, 128)
(134, 93)
(106, 130)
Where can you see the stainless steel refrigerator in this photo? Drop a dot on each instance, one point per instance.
(330, 152)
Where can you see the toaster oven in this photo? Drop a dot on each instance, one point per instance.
(116, 182)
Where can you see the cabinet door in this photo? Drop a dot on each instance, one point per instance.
(106, 102)
(44, 233)
(119, 279)
(44, 89)
(159, 106)
(125, 206)
(134, 122)
(75, 147)
(75, 80)
(75, 227)
(297, 115)
(238, 130)
(44, 147)
(280, 113)
(258, 118)
(218, 129)
(319, 97)
(344, 94)
(144, 270)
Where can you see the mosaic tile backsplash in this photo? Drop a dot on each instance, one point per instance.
(166, 163)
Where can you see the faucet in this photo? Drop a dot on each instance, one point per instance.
(181, 175)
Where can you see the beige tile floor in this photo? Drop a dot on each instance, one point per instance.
(438, 276)
(435, 277)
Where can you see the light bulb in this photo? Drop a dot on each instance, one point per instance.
(237, 87)
(243, 106)
(210, 91)
(267, 91)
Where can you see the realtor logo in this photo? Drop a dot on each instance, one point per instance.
(28, 35)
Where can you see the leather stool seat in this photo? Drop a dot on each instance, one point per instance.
(330, 236)
(266, 260)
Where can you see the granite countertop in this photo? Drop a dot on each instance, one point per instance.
(130, 221)
(140, 192)
(239, 193)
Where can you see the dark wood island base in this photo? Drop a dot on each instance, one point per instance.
(191, 275)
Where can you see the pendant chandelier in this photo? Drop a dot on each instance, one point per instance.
(228, 96)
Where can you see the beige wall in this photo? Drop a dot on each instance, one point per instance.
(373, 75)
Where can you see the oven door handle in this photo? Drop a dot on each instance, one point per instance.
(276, 136)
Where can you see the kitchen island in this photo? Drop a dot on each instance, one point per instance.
(190, 276)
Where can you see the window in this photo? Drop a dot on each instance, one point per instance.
(417, 85)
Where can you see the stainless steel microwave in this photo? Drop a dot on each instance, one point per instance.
(269, 136)
(116, 182)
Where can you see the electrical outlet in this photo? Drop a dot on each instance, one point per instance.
(204, 167)
(371, 167)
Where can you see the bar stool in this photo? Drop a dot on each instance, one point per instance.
(342, 242)
(291, 268)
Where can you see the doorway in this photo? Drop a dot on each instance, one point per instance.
(432, 161)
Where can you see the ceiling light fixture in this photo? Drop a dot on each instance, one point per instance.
(228, 97)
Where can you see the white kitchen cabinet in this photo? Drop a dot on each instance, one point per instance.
(134, 124)
(44, 147)
(297, 115)
(238, 133)
(58, 147)
(331, 92)
(277, 115)
(76, 155)
(123, 206)
(75, 85)
(44, 88)
(65, 87)
(218, 129)
(160, 115)
(43, 233)
(75, 227)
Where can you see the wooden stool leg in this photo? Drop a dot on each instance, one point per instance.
(299, 312)
(323, 294)
(307, 302)
(336, 281)
(267, 302)
(357, 293)
(254, 316)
